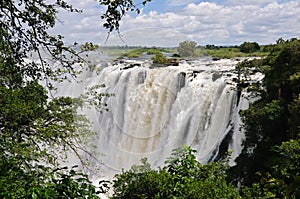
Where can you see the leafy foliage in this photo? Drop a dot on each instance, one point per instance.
(88, 46)
(182, 177)
(248, 47)
(282, 180)
(159, 58)
(23, 181)
(36, 131)
(269, 159)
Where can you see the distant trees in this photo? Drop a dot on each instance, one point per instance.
(248, 47)
(212, 47)
(187, 49)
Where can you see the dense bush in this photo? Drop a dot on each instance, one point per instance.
(159, 58)
(182, 177)
(248, 47)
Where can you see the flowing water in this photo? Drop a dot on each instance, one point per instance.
(157, 109)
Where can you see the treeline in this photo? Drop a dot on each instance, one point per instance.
(190, 49)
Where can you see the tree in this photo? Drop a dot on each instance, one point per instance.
(159, 58)
(37, 130)
(187, 48)
(249, 47)
(182, 177)
(282, 180)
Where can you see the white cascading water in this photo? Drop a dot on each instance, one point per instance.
(155, 110)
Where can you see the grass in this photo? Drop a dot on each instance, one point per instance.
(135, 53)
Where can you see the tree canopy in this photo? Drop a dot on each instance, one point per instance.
(248, 47)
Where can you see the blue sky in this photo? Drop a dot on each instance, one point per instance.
(162, 6)
(168, 22)
(172, 5)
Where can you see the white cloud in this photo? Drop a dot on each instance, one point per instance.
(203, 9)
(231, 22)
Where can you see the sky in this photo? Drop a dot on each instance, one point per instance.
(165, 23)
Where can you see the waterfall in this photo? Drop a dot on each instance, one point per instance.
(155, 110)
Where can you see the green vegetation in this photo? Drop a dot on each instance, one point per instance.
(223, 53)
(159, 58)
(154, 51)
(249, 47)
(233, 52)
(36, 131)
(88, 46)
(270, 158)
(133, 53)
(246, 49)
(182, 176)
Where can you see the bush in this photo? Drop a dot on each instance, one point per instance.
(159, 58)
(249, 47)
(182, 177)
(187, 49)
